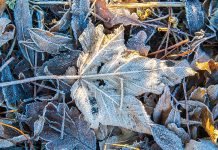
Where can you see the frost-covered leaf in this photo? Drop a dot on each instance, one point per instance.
(112, 17)
(182, 134)
(63, 24)
(163, 106)
(112, 77)
(6, 31)
(214, 19)
(199, 94)
(173, 117)
(194, 15)
(79, 12)
(165, 138)
(122, 16)
(38, 126)
(45, 41)
(200, 145)
(137, 42)
(59, 64)
(77, 134)
(6, 143)
(212, 91)
(33, 111)
(206, 117)
(12, 94)
(23, 22)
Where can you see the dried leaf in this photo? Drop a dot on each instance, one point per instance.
(12, 94)
(115, 16)
(212, 91)
(209, 66)
(194, 15)
(45, 41)
(163, 107)
(2, 6)
(215, 111)
(208, 124)
(33, 111)
(137, 42)
(111, 78)
(6, 143)
(77, 134)
(122, 16)
(165, 138)
(214, 19)
(200, 145)
(59, 64)
(38, 126)
(182, 134)
(199, 94)
(23, 22)
(174, 117)
(63, 24)
(79, 21)
(206, 118)
(6, 31)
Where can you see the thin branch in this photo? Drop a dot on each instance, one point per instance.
(122, 93)
(6, 63)
(186, 106)
(147, 5)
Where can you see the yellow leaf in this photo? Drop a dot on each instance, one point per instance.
(208, 124)
(208, 66)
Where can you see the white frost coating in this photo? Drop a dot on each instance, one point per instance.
(105, 67)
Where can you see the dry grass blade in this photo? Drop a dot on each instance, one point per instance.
(19, 131)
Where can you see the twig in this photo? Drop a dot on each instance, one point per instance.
(186, 106)
(120, 5)
(147, 4)
(122, 93)
(168, 30)
(156, 19)
(11, 48)
(63, 120)
(171, 47)
(50, 3)
(47, 87)
(37, 79)
(21, 132)
(6, 63)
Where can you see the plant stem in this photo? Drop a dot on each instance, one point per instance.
(50, 3)
(147, 4)
(120, 5)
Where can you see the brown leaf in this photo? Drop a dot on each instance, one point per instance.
(2, 6)
(137, 42)
(7, 31)
(113, 17)
(76, 131)
(163, 106)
